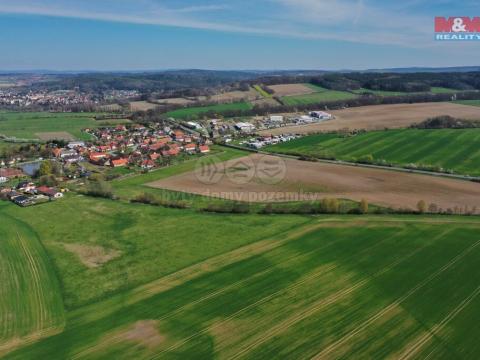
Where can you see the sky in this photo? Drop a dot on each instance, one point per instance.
(229, 34)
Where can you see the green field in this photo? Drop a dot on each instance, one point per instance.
(261, 91)
(198, 112)
(454, 149)
(379, 92)
(25, 125)
(442, 90)
(320, 95)
(30, 299)
(190, 285)
(468, 102)
(434, 90)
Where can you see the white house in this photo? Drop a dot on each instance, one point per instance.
(276, 119)
(75, 144)
(321, 115)
(245, 127)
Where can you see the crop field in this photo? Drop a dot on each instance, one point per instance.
(442, 90)
(198, 112)
(380, 117)
(301, 287)
(433, 90)
(130, 187)
(32, 125)
(469, 102)
(293, 89)
(319, 95)
(176, 101)
(379, 92)
(30, 300)
(243, 179)
(450, 149)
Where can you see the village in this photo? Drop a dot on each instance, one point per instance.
(128, 149)
(114, 150)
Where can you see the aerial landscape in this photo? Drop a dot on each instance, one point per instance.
(239, 180)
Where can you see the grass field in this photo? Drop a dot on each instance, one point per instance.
(262, 92)
(231, 287)
(320, 95)
(379, 92)
(198, 112)
(458, 150)
(28, 125)
(442, 90)
(140, 235)
(468, 102)
(434, 90)
(30, 300)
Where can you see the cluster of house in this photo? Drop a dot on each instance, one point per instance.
(261, 141)
(139, 146)
(26, 193)
(21, 98)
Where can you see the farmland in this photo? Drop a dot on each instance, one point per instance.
(30, 302)
(130, 187)
(319, 94)
(364, 282)
(198, 112)
(292, 89)
(469, 102)
(380, 117)
(453, 149)
(433, 90)
(262, 92)
(25, 125)
(242, 179)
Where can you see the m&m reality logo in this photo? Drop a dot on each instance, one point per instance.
(460, 28)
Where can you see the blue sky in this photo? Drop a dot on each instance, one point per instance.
(233, 34)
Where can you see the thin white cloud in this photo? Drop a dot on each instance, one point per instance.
(348, 20)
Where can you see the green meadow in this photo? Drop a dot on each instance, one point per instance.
(262, 92)
(468, 102)
(454, 149)
(193, 285)
(320, 95)
(199, 112)
(27, 125)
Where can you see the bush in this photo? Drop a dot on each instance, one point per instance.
(99, 189)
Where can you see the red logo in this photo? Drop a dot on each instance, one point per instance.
(458, 24)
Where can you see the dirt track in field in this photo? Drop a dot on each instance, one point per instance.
(380, 117)
(245, 179)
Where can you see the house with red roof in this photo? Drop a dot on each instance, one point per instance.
(204, 149)
(11, 173)
(154, 156)
(148, 164)
(179, 135)
(190, 148)
(50, 192)
(119, 162)
(57, 152)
